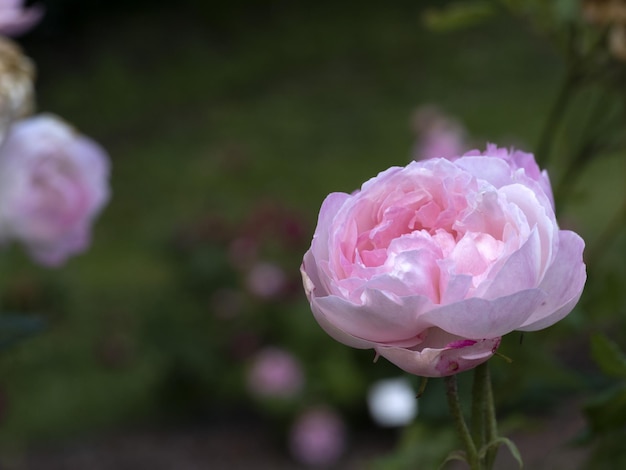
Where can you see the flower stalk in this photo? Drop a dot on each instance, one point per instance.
(481, 442)
(471, 453)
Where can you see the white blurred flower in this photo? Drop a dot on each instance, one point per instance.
(392, 402)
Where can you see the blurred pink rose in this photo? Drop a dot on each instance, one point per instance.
(318, 438)
(53, 183)
(437, 135)
(275, 373)
(432, 263)
(15, 19)
(266, 280)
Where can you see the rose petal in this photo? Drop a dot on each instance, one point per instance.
(478, 318)
(563, 283)
(520, 271)
(494, 170)
(440, 362)
(380, 318)
(330, 207)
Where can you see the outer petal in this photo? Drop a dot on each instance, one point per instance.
(433, 362)
(494, 170)
(329, 209)
(563, 283)
(478, 318)
(379, 319)
(519, 271)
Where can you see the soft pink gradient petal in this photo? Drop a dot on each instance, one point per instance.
(440, 362)
(333, 331)
(519, 271)
(330, 207)
(563, 283)
(478, 318)
(493, 170)
(378, 319)
(537, 216)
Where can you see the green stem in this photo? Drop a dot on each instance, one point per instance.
(490, 418)
(479, 406)
(457, 414)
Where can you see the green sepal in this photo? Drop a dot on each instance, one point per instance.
(497, 442)
(454, 455)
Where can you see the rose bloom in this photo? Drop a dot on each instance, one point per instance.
(275, 373)
(437, 135)
(431, 264)
(318, 438)
(53, 183)
(15, 19)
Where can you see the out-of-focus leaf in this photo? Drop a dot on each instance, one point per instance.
(608, 356)
(457, 15)
(566, 10)
(607, 411)
(14, 327)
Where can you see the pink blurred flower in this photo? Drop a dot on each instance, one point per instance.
(318, 438)
(53, 183)
(266, 280)
(430, 264)
(15, 19)
(437, 135)
(275, 373)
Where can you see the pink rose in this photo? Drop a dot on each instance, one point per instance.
(53, 183)
(432, 263)
(15, 19)
(318, 438)
(275, 373)
(437, 135)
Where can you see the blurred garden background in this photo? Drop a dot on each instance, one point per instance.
(227, 124)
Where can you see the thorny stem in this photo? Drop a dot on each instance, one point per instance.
(479, 405)
(457, 414)
(484, 427)
(490, 418)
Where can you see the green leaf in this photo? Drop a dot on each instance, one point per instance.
(457, 15)
(14, 327)
(497, 442)
(454, 455)
(608, 356)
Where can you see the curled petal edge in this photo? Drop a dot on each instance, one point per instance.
(440, 362)
(563, 282)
